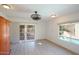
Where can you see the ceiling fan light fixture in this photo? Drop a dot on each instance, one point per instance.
(35, 16)
(53, 16)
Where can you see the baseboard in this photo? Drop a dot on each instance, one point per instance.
(74, 53)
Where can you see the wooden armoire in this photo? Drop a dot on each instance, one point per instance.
(4, 36)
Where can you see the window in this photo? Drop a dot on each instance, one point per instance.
(69, 32)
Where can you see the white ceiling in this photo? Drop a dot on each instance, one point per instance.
(45, 10)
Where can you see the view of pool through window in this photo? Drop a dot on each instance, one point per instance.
(68, 39)
(69, 32)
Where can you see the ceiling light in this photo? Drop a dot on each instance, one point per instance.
(53, 16)
(6, 6)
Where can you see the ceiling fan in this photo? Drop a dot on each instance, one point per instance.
(35, 16)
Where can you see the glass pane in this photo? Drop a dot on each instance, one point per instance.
(22, 31)
(30, 32)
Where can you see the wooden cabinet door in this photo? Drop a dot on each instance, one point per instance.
(1, 36)
(7, 38)
(4, 37)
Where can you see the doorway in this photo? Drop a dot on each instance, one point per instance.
(27, 32)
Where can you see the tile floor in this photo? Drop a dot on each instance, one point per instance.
(39, 47)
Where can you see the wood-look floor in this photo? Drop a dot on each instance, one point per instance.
(38, 47)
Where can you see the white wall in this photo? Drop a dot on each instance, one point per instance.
(40, 32)
(14, 32)
(77, 30)
(52, 33)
